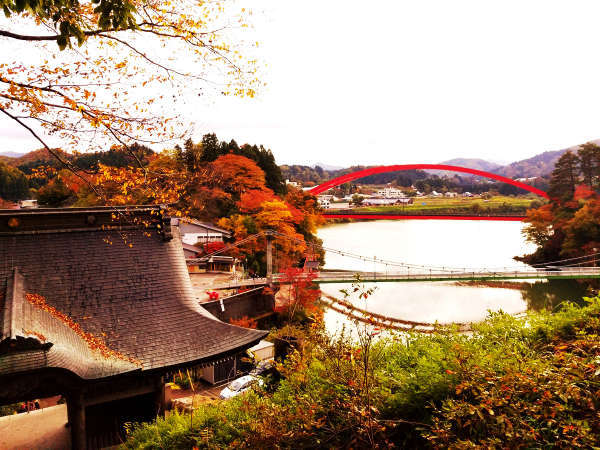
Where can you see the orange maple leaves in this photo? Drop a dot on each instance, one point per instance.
(93, 342)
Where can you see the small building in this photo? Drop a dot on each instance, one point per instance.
(292, 183)
(390, 192)
(213, 263)
(194, 232)
(526, 180)
(451, 194)
(262, 351)
(387, 201)
(196, 263)
(325, 201)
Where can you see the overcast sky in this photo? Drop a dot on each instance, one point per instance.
(388, 82)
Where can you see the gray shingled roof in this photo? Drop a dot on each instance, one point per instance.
(140, 298)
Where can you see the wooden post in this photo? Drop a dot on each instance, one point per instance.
(76, 417)
(269, 237)
(160, 401)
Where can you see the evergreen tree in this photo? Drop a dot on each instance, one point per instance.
(232, 147)
(179, 156)
(211, 148)
(589, 163)
(564, 177)
(13, 183)
(192, 154)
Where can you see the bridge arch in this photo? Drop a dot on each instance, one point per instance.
(400, 167)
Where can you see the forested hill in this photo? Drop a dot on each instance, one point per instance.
(537, 166)
(473, 163)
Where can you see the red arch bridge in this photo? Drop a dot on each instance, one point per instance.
(400, 167)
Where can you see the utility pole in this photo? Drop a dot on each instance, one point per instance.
(269, 236)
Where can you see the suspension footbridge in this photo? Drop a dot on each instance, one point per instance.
(583, 267)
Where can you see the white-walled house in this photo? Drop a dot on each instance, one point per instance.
(193, 231)
(389, 192)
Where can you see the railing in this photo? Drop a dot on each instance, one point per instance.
(416, 275)
(246, 282)
(567, 272)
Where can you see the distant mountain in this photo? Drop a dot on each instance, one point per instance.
(35, 157)
(11, 154)
(473, 163)
(537, 166)
(326, 166)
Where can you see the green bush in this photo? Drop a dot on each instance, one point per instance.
(530, 380)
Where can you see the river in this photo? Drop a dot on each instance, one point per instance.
(451, 243)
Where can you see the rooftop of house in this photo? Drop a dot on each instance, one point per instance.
(175, 221)
(118, 275)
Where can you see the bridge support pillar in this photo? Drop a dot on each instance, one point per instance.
(269, 236)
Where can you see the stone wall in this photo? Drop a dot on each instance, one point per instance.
(252, 304)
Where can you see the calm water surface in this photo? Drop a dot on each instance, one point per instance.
(451, 243)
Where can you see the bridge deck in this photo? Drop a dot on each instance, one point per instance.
(349, 276)
(345, 277)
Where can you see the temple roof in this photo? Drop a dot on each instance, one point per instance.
(120, 276)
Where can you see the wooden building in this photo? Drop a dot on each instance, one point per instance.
(94, 309)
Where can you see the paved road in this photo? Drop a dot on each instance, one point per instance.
(43, 429)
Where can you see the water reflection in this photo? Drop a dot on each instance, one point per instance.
(547, 295)
(442, 242)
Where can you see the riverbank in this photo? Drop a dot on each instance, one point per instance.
(516, 285)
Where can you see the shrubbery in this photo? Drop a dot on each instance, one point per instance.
(514, 382)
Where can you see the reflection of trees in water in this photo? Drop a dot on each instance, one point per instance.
(548, 294)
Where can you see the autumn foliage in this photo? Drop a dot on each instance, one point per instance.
(568, 226)
(245, 322)
(230, 191)
(298, 297)
(78, 95)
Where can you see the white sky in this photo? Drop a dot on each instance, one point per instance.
(384, 82)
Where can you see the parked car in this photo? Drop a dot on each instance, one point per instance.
(242, 384)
